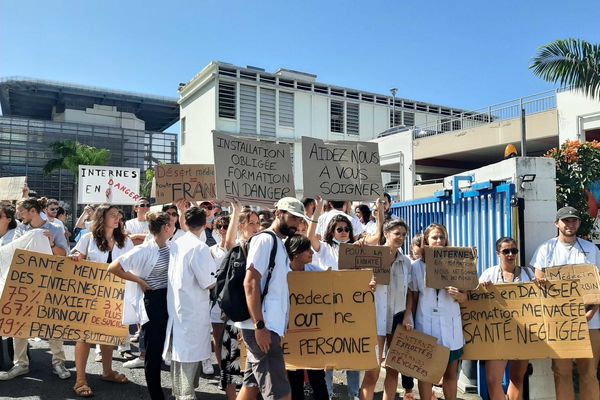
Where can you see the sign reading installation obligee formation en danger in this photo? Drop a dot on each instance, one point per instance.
(112, 185)
(341, 170)
(255, 172)
(54, 297)
(331, 321)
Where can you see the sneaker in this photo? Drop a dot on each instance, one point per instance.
(127, 355)
(135, 363)
(207, 367)
(60, 370)
(15, 371)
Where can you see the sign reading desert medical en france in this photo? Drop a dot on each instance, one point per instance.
(341, 170)
(451, 266)
(252, 171)
(525, 321)
(112, 185)
(331, 321)
(55, 297)
(186, 181)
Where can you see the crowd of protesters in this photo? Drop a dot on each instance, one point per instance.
(169, 259)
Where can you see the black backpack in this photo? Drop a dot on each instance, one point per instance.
(228, 291)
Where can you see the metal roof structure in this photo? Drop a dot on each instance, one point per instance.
(35, 98)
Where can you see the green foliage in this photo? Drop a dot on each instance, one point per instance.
(572, 63)
(146, 187)
(577, 167)
(71, 154)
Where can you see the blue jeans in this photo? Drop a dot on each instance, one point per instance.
(353, 382)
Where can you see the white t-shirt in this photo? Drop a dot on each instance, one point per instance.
(553, 252)
(276, 304)
(135, 226)
(357, 227)
(7, 237)
(87, 245)
(494, 275)
(327, 256)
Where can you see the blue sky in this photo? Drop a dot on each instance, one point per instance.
(462, 53)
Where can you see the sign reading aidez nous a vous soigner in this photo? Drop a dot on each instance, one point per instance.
(112, 185)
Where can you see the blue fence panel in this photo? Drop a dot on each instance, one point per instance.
(477, 219)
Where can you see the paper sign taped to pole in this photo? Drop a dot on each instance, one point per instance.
(524, 321)
(377, 258)
(187, 181)
(341, 170)
(417, 355)
(11, 187)
(331, 321)
(587, 274)
(112, 185)
(254, 172)
(54, 297)
(450, 266)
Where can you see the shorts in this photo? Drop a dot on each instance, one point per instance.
(215, 314)
(266, 371)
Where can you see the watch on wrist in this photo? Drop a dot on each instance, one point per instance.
(259, 324)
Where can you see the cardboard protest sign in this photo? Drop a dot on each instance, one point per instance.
(331, 321)
(11, 187)
(524, 321)
(418, 355)
(587, 274)
(33, 240)
(255, 172)
(377, 258)
(341, 170)
(112, 185)
(450, 266)
(54, 297)
(190, 182)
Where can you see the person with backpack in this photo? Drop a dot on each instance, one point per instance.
(266, 293)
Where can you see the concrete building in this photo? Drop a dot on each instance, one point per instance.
(285, 105)
(431, 153)
(36, 113)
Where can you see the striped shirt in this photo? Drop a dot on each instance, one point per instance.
(159, 277)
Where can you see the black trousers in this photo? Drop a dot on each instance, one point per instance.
(316, 377)
(155, 331)
(407, 382)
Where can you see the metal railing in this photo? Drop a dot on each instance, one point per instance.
(499, 112)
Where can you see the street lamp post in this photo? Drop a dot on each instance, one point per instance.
(394, 91)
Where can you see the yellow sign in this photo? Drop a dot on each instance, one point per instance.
(54, 297)
(331, 321)
(524, 321)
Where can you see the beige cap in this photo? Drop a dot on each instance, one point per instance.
(291, 205)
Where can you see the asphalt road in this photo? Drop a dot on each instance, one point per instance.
(41, 384)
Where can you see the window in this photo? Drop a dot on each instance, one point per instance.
(352, 120)
(337, 116)
(456, 125)
(267, 112)
(286, 109)
(248, 109)
(227, 97)
(182, 126)
(409, 119)
(395, 118)
(445, 125)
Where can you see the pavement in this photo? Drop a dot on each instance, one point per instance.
(41, 384)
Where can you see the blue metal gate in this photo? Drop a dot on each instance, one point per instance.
(474, 218)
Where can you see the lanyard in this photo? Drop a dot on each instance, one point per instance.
(551, 255)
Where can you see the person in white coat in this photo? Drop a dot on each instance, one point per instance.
(191, 275)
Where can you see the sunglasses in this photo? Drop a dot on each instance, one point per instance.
(144, 205)
(53, 209)
(510, 251)
(173, 214)
(222, 226)
(344, 229)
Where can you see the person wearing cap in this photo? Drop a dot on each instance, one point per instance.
(262, 333)
(567, 248)
(137, 228)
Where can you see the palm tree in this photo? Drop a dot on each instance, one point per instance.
(571, 62)
(70, 155)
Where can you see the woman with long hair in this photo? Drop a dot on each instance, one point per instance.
(438, 315)
(104, 243)
(506, 272)
(8, 223)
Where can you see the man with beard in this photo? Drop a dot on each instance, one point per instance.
(265, 369)
(567, 248)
